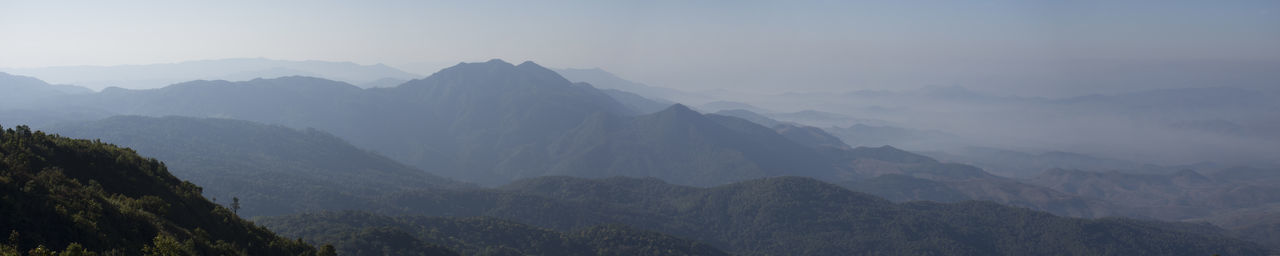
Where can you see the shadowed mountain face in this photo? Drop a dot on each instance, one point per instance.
(273, 170)
(683, 146)
(493, 120)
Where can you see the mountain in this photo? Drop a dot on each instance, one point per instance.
(1241, 199)
(637, 103)
(874, 136)
(495, 122)
(817, 118)
(159, 75)
(1196, 99)
(1017, 164)
(451, 124)
(88, 196)
(455, 122)
(810, 136)
(683, 146)
(1247, 175)
(802, 216)
(1176, 196)
(273, 170)
(352, 232)
(1232, 126)
(383, 83)
(492, 120)
(22, 90)
(905, 188)
(806, 135)
(750, 116)
(604, 80)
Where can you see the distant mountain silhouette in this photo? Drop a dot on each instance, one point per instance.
(717, 106)
(604, 80)
(1017, 164)
(750, 116)
(806, 135)
(159, 75)
(19, 91)
(875, 135)
(637, 103)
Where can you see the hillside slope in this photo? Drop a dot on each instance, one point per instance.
(273, 170)
(87, 195)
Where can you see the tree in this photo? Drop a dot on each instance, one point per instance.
(12, 247)
(41, 251)
(327, 250)
(75, 249)
(164, 245)
(235, 205)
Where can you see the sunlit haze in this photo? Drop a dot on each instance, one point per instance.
(1029, 48)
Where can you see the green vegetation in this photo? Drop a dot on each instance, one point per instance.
(79, 196)
(361, 233)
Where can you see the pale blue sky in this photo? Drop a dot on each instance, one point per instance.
(1024, 46)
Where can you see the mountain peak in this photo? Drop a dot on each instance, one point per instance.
(497, 71)
(679, 114)
(528, 63)
(679, 107)
(679, 110)
(497, 61)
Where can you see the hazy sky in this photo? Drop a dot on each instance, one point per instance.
(1026, 47)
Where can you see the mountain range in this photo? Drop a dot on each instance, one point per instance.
(272, 170)
(301, 144)
(160, 75)
(494, 122)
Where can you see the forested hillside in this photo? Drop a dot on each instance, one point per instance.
(74, 196)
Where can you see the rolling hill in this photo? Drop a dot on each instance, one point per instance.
(802, 216)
